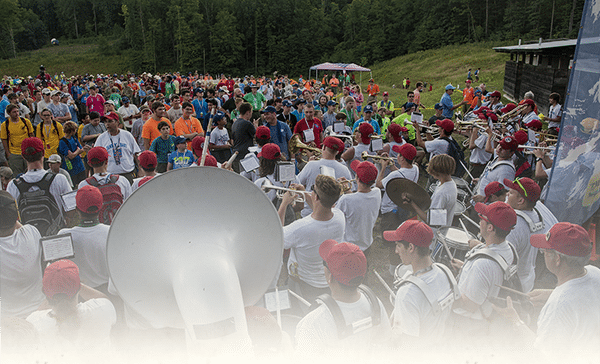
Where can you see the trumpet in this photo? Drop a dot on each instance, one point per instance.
(299, 195)
(366, 156)
(347, 184)
(295, 145)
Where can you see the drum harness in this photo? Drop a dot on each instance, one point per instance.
(534, 227)
(436, 306)
(492, 165)
(344, 330)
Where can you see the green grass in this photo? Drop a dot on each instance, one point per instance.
(440, 67)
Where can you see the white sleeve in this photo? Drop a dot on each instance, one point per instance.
(125, 187)
(59, 186)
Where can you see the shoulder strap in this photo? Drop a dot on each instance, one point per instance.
(92, 181)
(375, 308)
(451, 280)
(336, 312)
(490, 254)
(501, 162)
(433, 302)
(113, 178)
(533, 226)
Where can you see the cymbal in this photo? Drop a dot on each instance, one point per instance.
(397, 186)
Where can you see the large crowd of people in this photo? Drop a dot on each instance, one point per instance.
(515, 277)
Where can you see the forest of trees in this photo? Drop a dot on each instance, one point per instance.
(258, 36)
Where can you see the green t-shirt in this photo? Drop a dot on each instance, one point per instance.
(404, 120)
(255, 100)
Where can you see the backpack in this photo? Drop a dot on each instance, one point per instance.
(456, 152)
(343, 329)
(111, 196)
(39, 208)
(522, 166)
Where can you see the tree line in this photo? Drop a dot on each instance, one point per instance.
(260, 36)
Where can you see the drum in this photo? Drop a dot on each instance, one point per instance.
(459, 208)
(456, 240)
(461, 184)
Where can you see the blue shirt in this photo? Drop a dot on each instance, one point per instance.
(3, 105)
(75, 164)
(201, 108)
(181, 160)
(299, 116)
(373, 122)
(280, 134)
(163, 148)
(447, 104)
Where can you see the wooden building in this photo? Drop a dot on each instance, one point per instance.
(542, 68)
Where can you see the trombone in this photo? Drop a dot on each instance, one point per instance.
(299, 195)
(366, 156)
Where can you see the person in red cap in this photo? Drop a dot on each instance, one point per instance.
(414, 314)
(148, 162)
(20, 264)
(114, 188)
(373, 91)
(439, 145)
(268, 157)
(361, 208)
(479, 157)
(304, 236)
(307, 176)
(363, 137)
(528, 113)
(481, 275)
(345, 270)
(569, 319)
(70, 324)
(523, 196)
(493, 101)
(89, 239)
(37, 179)
(121, 146)
(495, 191)
(499, 168)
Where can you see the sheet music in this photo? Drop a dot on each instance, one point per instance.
(416, 116)
(69, 201)
(250, 162)
(57, 247)
(271, 300)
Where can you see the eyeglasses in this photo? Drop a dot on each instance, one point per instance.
(520, 185)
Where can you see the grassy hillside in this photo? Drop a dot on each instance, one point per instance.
(440, 67)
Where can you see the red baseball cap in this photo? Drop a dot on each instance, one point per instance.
(445, 124)
(198, 144)
(334, 143)
(509, 107)
(366, 171)
(89, 199)
(345, 261)
(112, 116)
(406, 150)
(509, 143)
(61, 277)
(526, 187)
(521, 137)
(34, 143)
(534, 124)
(385, 93)
(97, 155)
(496, 94)
(396, 132)
(492, 188)
(413, 231)
(499, 214)
(529, 102)
(209, 161)
(262, 132)
(148, 159)
(469, 81)
(564, 237)
(365, 129)
(270, 151)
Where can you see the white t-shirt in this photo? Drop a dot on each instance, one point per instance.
(103, 179)
(529, 117)
(128, 111)
(304, 237)
(317, 331)
(361, 211)
(136, 182)
(444, 197)
(59, 185)
(219, 136)
(312, 169)
(479, 155)
(479, 278)
(569, 321)
(271, 194)
(89, 245)
(412, 311)
(496, 170)
(124, 146)
(437, 146)
(554, 112)
(411, 174)
(97, 316)
(358, 150)
(21, 272)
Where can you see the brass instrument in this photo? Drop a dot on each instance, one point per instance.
(295, 145)
(347, 184)
(514, 112)
(299, 195)
(366, 156)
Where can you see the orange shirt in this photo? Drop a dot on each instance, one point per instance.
(150, 130)
(373, 90)
(188, 126)
(334, 82)
(468, 94)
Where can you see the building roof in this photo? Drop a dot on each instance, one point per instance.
(537, 47)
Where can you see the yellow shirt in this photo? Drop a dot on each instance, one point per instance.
(79, 130)
(49, 136)
(17, 132)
